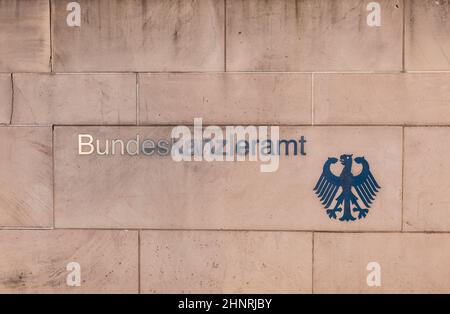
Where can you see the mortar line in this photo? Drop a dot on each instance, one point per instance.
(403, 175)
(225, 35)
(239, 230)
(317, 126)
(139, 261)
(51, 35)
(53, 178)
(28, 228)
(403, 36)
(50, 228)
(137, 98)
(12, 99)
(238, 72)
(312, 99)
(312, 265)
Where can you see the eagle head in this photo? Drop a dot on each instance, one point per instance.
(346, 160)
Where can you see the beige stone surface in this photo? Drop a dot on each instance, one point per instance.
(396, 98)
(5, 98)
(74, 99)
(24, 36)
(427, 179)
(226, 262)
(221, 98)
(415, 263)
(140, 36)
(427, 35)
(312, 35)
(156, 192)
(36, 260)
(139, 67)
(26, 186)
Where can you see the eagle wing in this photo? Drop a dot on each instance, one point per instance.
(364, 183)
(328, 184)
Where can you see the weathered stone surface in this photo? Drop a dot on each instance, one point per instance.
(226, 262)
(24, 36)
(312, 35)
(26, 180)
(140, 36)
(225, 98)
(5, 98)
(427, 179)
(427, 35)
(74, 99)
(400, 98)
(415, 263)
(36, 261)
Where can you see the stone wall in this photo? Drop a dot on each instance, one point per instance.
(368, 78)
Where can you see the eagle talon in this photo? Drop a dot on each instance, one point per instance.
(332, 213)
(362, 213)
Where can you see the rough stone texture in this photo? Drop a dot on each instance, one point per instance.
(412, 98)
(144, 35)
(24, 36)
(36, 260)
(222, 226)
(230, 98)
(312, 35)
(415, 263)
(427, 179)
(226, 262)
(156, 192)
(427, 35)
(74, 99)
(5, 98)
(26, 196)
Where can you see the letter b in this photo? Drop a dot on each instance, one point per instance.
(81, 144)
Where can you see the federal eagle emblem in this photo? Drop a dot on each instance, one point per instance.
(329, 184)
